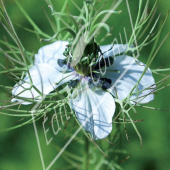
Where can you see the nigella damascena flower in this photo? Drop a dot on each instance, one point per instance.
(92, 94)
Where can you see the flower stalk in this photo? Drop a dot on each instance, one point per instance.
(86, 154)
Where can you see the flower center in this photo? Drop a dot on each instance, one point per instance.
(83, 56)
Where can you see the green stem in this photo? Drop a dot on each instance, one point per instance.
(86, 155)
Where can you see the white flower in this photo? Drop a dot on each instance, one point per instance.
(94, 105)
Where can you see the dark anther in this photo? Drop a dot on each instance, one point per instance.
(106, 83)
(73, 83)
(90, 81)
(106, 80)
(61, 62)
(103, 83)
(94, 79)
(106, 86)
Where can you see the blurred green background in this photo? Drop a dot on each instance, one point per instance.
(18, 148)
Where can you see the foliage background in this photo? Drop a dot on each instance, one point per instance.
(18, 148)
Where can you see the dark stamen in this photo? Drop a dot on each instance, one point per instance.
(73, 83)
(61, 62)
(106, 83)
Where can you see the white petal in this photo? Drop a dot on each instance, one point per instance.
(130, 72)
(44, 78)
(112, 50)
(94, 110)
(51, 53)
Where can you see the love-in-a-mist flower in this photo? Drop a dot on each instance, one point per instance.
(95, 80)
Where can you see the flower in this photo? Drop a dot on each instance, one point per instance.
(93, 97)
